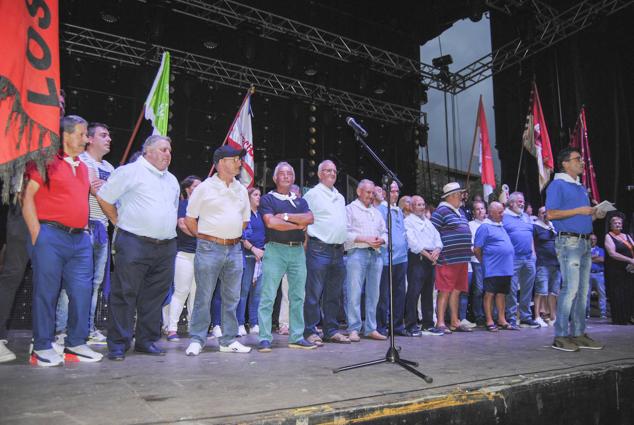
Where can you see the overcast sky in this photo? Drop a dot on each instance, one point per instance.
(465, 41)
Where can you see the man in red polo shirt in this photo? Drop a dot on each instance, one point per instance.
(56, 213)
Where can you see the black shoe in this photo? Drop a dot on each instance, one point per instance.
(530, 323)
(116, 355)
(151, 350)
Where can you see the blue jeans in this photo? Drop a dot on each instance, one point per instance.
(477, 292)
(523, 280)
(213, 262)
(597, 281)
(280, 259)
(364, 269)
(60, 259)
(99, 258)
(547, 280)
(250, 291)
(574, 262)
(324, 287)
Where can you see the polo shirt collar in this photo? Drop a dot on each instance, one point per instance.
(566, 177)
(234, 186)
(491, 222)
(360, 205)
(331, 192)
(151, 167)
(447, 204)
(543, 225)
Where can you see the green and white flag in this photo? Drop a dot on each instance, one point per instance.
(157, 104)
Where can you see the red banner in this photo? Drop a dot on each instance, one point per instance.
(29, 86)
(535, 139)
(487, 172)
(579, 140)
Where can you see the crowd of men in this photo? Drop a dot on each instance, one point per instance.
(334, 256)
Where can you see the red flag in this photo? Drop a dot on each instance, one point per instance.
(487, 172)
(535, 139)
(240, 136)
(579, 140)
(29, 86)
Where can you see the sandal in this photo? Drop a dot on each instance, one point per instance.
(508, 327)
(492, 327)
(460, 328)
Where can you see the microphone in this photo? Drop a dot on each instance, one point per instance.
(356, 127)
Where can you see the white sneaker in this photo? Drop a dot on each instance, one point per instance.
(82, 353)
(96, 337)
(467, 323)
(234, 347)
(550, 322)
(541, 322)
(217, 332)
(46, 358)
(6, 355)
(255, 329)
(59, 349)
(241, 330)
(194, 348)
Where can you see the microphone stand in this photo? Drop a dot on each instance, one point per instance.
(392, 355)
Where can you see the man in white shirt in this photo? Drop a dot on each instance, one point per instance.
(141, 200)
(425, 246)
(366, 234)
(324, 257)
(217, 212)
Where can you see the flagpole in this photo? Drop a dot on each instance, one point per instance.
(475, 134)
(134, 133)
(250, 92)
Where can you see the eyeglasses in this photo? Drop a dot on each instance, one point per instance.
(234, 158)
(329, 170)
(576, 158)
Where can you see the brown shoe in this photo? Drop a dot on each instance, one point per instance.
(339, 338)
(315, 339)
(376, 336)
(353, 336)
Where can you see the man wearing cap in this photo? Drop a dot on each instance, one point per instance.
(285, 219)
(452, 264)
(217, 212)
(141, 201)
(568, 207)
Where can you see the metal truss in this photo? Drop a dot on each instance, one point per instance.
(88, 42)
(542, 11)
(232, 14)
(550, 32)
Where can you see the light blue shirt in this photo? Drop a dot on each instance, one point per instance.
(399, 235)
(329, 210)
(146, 199)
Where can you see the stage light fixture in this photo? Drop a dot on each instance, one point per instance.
(311, 70)
(312, 119)
(442, 61)
(312, 130)
(312, 140)
(109, 17)
(312, 152)
(379, 89)
(210, 44)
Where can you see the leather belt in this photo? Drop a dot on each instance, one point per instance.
(146, 238)
(289, 243)
(219, 241)
(575, 235)
(60, 226)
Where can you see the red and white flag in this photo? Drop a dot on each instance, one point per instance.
(487, 171)
(240, 136)
(535, 139)
(579, 140)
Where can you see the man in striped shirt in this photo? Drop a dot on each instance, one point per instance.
(451, 271)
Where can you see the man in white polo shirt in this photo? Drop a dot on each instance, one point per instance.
(217, 212)
(324, 258)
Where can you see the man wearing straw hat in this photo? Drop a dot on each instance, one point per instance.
(451, 269)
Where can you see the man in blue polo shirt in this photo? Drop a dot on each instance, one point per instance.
(519, 227)
(569, 209)
(597, 280)
(494, 250)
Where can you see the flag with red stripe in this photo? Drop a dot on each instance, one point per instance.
(240, 136)
(487, 171)
(579, 140)
(535, 139)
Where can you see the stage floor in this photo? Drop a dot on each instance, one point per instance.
(286, 383)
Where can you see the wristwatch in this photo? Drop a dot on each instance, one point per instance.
(285, 216)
